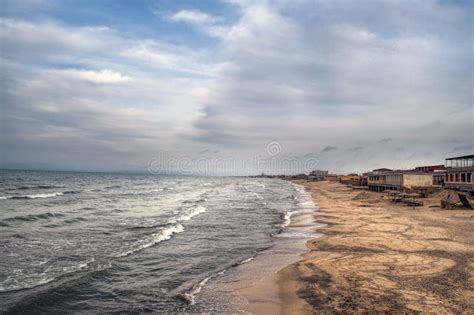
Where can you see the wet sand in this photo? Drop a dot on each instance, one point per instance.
(380, 256)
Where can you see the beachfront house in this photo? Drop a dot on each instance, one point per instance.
(437, 171)
(459, 173)
(318, 175)
(353, 180)
(399, 180)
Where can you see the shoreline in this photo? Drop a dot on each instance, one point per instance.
(254, 287)
(381, 257)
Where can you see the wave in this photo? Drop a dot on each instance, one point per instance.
(70, 192)
(28, 284)
(137, 192)
(190, 296)
(287, 218)
(303, 208)
(246, 260)
(113, 187)
(189, 213)
(145, 227)
(55, 194)
(153, 239)
(43, 278)
(37, 187)
(75, 220)
(195, 201)
(34, 217)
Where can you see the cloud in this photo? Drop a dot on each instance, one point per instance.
(214, 26)
(192, 16)
(328, 149)
(377, 75)
(343, 79)
(101, 77)
(357, 148)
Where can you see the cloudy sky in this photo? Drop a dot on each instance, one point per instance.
(235, 86)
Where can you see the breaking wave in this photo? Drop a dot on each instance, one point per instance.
(55, 194)
(190, 296)
(189, 213)
(153, 239)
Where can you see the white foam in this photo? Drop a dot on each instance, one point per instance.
(246, 260)
(45, 195)
(153, 239)
(287, 218)
(55, 194)
(304, 204)
(191, 295)
(189, 213)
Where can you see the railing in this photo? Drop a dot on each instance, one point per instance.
(460, 169)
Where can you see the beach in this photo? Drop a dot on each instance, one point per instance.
(379, 256)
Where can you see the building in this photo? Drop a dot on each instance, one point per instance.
(377, 180)
(381, 170)
(399, 180)
(353, 180)
(318, 175)
(438, 172)
(332, 178)
(430, 168)
(438, 178)
(459, 173)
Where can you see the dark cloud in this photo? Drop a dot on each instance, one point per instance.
(328, 149)
(358, 148)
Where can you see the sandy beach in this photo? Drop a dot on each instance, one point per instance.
(384, 257)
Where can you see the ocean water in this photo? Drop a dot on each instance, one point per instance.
(93, 242)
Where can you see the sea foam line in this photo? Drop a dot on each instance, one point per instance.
(304, 204)
(55, 194)
(153, 239)
(189, 213)
(191, 295)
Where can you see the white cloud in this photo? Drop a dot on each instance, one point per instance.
(100, 77)
(307, 74)
(192, 16)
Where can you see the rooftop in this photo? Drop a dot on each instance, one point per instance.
(471, 156)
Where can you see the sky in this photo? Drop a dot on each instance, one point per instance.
(235, 87)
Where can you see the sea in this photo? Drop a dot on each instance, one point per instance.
(76, 242)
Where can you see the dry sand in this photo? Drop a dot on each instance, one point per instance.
(380, 256)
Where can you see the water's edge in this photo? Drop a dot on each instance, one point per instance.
(255, 285)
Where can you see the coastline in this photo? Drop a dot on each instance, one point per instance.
(255, 285)
(381, 257)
